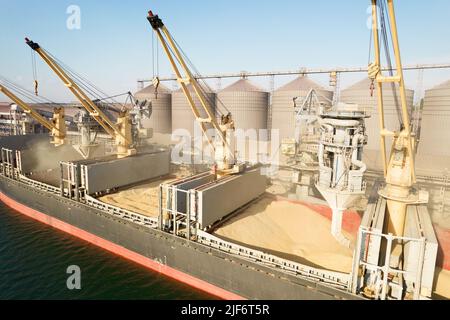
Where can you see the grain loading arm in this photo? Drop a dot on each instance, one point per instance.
(399, 167)
(396, 250)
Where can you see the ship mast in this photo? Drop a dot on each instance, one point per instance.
(399, 166)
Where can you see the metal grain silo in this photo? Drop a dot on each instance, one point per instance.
(435, 127)
(360, 94)
(247, 103)
(182, 116)
(161, 118)
(283, 106)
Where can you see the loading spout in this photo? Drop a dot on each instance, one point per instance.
(336, 227)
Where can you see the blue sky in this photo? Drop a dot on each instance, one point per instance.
(113, 47)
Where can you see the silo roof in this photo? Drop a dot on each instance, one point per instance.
(301, 83)
(151, 89)
(444, 85)
(243, 85)
(190, 88)
(360, 85)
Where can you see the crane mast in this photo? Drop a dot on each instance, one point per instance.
(224, 150)
(57, 126)
(121, 132)
(399, 168)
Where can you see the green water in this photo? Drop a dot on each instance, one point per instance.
(34, 258)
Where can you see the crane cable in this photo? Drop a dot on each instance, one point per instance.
(96, 93)
(34, 69)
(39, 101)
(372, 83)
(155, 65)
(385, 27)
(204, 85)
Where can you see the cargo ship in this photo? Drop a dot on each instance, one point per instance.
(225, 229)
(221, 268)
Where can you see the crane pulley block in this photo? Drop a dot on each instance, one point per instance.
(373, 70)
(155, 21)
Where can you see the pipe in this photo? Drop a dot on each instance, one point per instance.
(336, 227)
(300, 72)
(320, 155)
(327, 126)
(361, 165)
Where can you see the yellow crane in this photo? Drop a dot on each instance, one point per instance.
(224, 151)
(121, 131)
(57, 126)
(399, 168)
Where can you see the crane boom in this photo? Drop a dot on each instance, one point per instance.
(120, 132)
(57, 127)
(399, 167)
(224, 153)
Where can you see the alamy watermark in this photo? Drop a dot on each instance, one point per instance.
(252, 146)
(74, 280)
(73, 21)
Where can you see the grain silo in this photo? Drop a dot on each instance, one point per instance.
(161, 118)
(247, 103)
(360, 94)
(283, 117)
(182, 115)
(435, 127)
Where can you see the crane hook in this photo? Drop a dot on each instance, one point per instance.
(36, 86)
(372, 88)
(156, 83)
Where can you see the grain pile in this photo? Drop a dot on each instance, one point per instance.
(442, 283)
(290, 231)
(142, 198)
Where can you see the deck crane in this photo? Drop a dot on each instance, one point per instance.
(224, 149)
(399, 170)
(56, 126)
(396, 247)
(121, 131)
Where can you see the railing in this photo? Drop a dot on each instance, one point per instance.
(122, 213)
(381, 286)
(115, 211)
(39, 185)
(168, 207)
(344, 187)
(336, 279)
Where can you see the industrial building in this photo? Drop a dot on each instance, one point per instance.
(283, 103)
(182, 116)
(248, 103)
(160, 102)
(435, 128)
